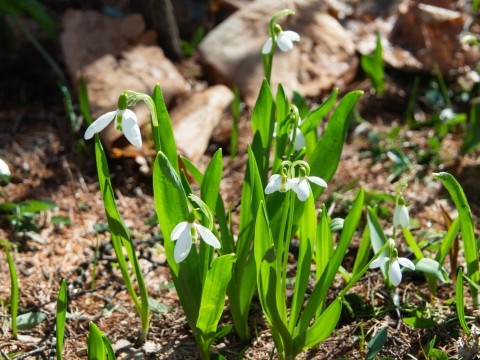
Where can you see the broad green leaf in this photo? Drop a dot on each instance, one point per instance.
(213, 297)
(376, 343)
(326, 155)
(314, 117)
(61, 317)
(318, 296)
(459, 296)
(210, 185)
(262, 127)
(307, 234)
(35, 206)
(164, 132)
(467, 229)
(95, 345)
(30, 320)
(372, 65)
(323, 244)
(419, 322)
(363, 252)
(431, 267)
(267, 281)
(172, 208)
(448, 240)
(321, 329)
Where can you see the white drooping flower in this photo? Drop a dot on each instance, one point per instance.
(299, 143)
(284, 40)
(394, 270)
(125, 121)
(302, 188)
(185, 233)
(278, 182)
(4, 169)
(401, 216)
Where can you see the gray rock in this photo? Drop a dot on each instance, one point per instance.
(195, 119)
(324, 57)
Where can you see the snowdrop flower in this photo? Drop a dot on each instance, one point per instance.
(125, 121)
(394, 270)
(278, 182)
(302, 187)
(400, 216)
(4, 169)
(185, 233)
(446, 114)
(284, 40)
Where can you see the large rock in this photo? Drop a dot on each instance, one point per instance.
(117, 55)
(195, 119)
(324, 57)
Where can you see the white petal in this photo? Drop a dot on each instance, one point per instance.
(379, 262)
(299, 142)
(178, 230)
(183, 246)
(208, 236)
(292, 35)
(273, 183)
(4, 169)
(302, 189)
(99, 124)
(130, 128)
(406, 263)
(318, 181)
(284, 42)
(267, 47)
(394, 273)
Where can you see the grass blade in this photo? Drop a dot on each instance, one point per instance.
(61, 318)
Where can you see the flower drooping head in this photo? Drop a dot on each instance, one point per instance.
(125, 121)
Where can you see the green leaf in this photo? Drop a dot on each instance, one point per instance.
(13, 292)
(314, 117)
(213, 298)
(321, 329)
(377, 236)
(307, 235)
(262, 127)
(376, 343)
(372, 65)
(35, 206)
(210, 185)
(172, 208)
(325, 157)
(467, 229)
(419, 322)
(318, 296)
(432, 267)
(95, 345)
(267, 281)
(108, 348)
(83, 101)
(459, 296)
(61, 317)
(30, 320)
(165, 130)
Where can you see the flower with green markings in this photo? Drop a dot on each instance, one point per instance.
(394, 263)
(186, 232)
(284, 40)
(400, 215)
(287, 180)
(125, 121)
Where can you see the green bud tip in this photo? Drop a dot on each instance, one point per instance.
(122, 101)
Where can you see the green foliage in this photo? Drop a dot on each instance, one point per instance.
(466, 228)
(376, 343)
(189, 47)
(98, 346)
(30, 8)
(13, 291)
(61, 318)
(373, 67)
(22, 215)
